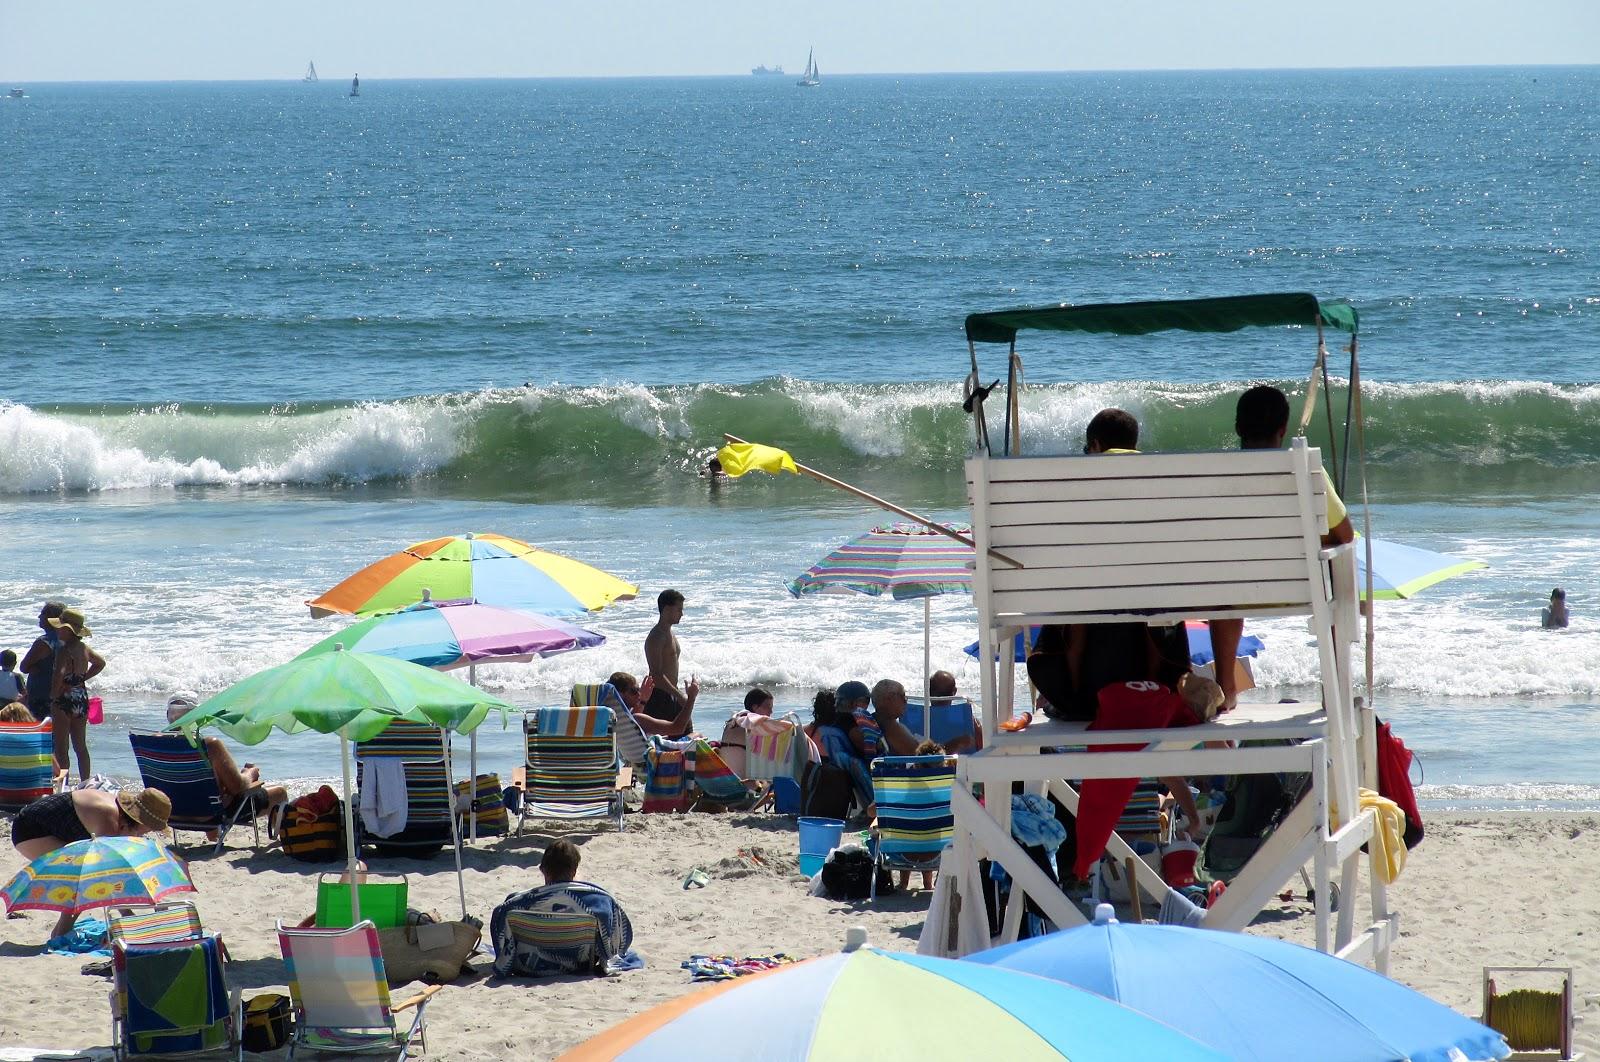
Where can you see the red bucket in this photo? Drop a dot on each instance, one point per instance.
(1177, 864)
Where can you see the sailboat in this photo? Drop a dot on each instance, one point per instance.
(355, 85)
(311, 72)
(812, 77)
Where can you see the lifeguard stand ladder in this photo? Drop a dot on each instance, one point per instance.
(1165, 538)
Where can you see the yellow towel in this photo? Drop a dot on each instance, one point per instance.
(1388, 836)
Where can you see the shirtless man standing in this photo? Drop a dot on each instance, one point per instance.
(661, 653)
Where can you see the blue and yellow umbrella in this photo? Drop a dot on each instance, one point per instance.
(892, 1005)
(98, 872)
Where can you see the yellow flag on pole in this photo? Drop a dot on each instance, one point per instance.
(738, 458)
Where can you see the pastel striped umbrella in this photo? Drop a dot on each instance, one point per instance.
(450, 634)
(903, 561)
(891, 1005)
(487, 568)
(97, 872)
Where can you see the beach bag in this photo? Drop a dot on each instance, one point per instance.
(267, 1018)
(1394, 780)
(313, 828)
(847, 875)
(826, 791)
(1255, 806)
(431, 952)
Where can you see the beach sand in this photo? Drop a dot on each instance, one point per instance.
(1505, 889)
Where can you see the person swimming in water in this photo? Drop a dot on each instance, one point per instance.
(1554, 616)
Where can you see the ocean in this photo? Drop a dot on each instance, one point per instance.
(258, 335)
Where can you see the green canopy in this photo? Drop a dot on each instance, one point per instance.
(355, 695)
(1226, 314)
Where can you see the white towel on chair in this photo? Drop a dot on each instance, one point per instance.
(383, 796)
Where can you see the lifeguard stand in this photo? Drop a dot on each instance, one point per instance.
(1162, 538)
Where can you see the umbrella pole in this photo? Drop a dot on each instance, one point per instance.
(455, 828)
(472, 765)
(927, 665)
(350, 833)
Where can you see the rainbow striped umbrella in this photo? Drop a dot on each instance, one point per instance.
(892, 1005)
(98, 872)
(490, 569)
(905, 561)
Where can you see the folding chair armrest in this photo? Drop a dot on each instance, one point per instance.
(418, 999)
(519, 778)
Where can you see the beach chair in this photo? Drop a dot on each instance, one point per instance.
(170, 998)
(420, 749)
(27, 765)
(484, 798)
(383, 903)
(914, 823)
(633, 744)
(165, 922)
(564, 941)
(180, 769)
(571, 765)
(340, 995)
(715, 782)
(666, 787)
(949, 720)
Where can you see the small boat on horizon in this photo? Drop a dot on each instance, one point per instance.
(763, 71)
(17, 94)
(311, 72)
(355, 85)
(812, 77)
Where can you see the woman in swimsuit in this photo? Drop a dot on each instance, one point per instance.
(59, 819)
(76, 664)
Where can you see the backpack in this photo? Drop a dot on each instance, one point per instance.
(266, 1023)
(1256, 805)
(826, 791)
(847, 875)
(1394, 780)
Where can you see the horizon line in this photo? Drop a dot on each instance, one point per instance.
(289, 79)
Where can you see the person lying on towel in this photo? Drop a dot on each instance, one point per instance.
(542, 942)
(1141, 705)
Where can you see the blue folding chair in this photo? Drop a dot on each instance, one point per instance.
(180, 769)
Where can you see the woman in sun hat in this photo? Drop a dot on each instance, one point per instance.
(76, 664)
(57, 820)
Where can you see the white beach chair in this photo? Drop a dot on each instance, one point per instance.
(1165, 538)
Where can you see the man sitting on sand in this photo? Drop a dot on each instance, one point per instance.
(878, 730)
(524, 948)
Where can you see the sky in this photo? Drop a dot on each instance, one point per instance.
(158, 40)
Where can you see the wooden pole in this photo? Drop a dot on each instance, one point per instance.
(883, 503)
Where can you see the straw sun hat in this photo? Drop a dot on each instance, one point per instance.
(70, 619)
(150, 808)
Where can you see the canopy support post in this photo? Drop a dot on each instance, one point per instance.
(472, 767)
(927, 665)
(455, 826)
(350, 832)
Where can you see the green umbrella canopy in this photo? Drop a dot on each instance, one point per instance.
(354, 695)
(1228, 313)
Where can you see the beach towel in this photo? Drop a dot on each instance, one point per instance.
(667, 787)
(383, 796)
(776, 748)
(567, 927)
(88, 936)
(173, 996)
(633, 745)
(1034, 822)
(1388, 836)
(590, 721)
(715, 778)
(727, 967)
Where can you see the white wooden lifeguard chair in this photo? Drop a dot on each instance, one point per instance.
(1164, 538)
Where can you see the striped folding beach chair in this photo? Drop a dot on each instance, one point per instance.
(420, 748)
(914, 821)
(179, 768)
(340, 994)
(633, 744)
(171, 998)
(715, 780)
(484, 798)
(571, 765)
(165, 922)
(27, 768)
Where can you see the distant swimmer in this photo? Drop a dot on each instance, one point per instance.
(1554, 617)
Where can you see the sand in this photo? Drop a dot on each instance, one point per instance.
(1504, 889)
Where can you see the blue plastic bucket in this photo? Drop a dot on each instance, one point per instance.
(818, 837)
